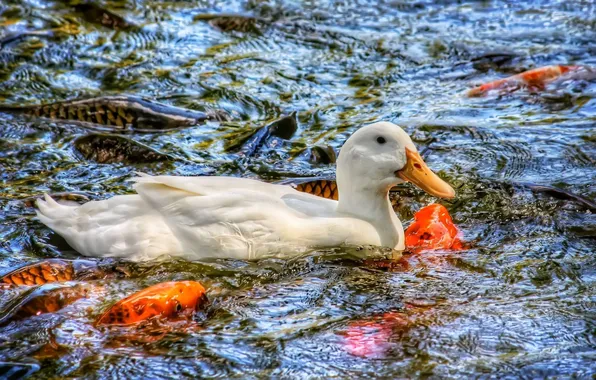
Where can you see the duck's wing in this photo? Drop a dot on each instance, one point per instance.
(211, 185)
(244, 222)
(307, 204)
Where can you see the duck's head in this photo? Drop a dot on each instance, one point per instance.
(381, 155)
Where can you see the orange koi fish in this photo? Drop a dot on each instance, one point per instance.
(166, 300)
(371, 337)
(535, 79)
(432, 229)
(48, 298)
(53, 270)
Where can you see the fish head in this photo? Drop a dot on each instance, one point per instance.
(432, 228)
(184, 298)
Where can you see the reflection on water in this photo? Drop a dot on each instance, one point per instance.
(518, 302)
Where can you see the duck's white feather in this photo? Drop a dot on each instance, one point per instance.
(199, 217)
(122, 226)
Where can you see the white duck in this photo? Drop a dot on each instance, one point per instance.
(227, 217)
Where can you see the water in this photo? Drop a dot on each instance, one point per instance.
(518, 303)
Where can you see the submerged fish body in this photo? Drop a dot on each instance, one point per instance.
(535, 79)
(53, 270)
(251, 143)
(99, 15)
(234, 22)
(432, 229)
(109, 148)
(370, 338)
(118, 112)
(48, 298)
(321, 155)
(168, 300)
(373, 336)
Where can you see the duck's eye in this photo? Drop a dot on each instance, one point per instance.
(381, 140)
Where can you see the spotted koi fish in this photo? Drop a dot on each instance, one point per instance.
(321, 188)
(53, 270)
(535, 79)
(119, 113)
(170, 300)
(432, 229)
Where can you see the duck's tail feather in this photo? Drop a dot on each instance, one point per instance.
(50, 212)
(143, 178)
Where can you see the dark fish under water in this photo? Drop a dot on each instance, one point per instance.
(96, 14)
(231, 22)
(559, 194)
(493, 60)
(107, 148)
(14, 37)
(251, 143)
(118, 113)
(324, 155)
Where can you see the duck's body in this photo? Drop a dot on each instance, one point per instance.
(199, 217)
(225, 217)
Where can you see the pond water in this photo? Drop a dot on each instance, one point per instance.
(519, 302)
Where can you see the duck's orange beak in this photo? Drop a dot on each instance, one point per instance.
(417, 172)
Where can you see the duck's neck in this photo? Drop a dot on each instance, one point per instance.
(371, 204)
